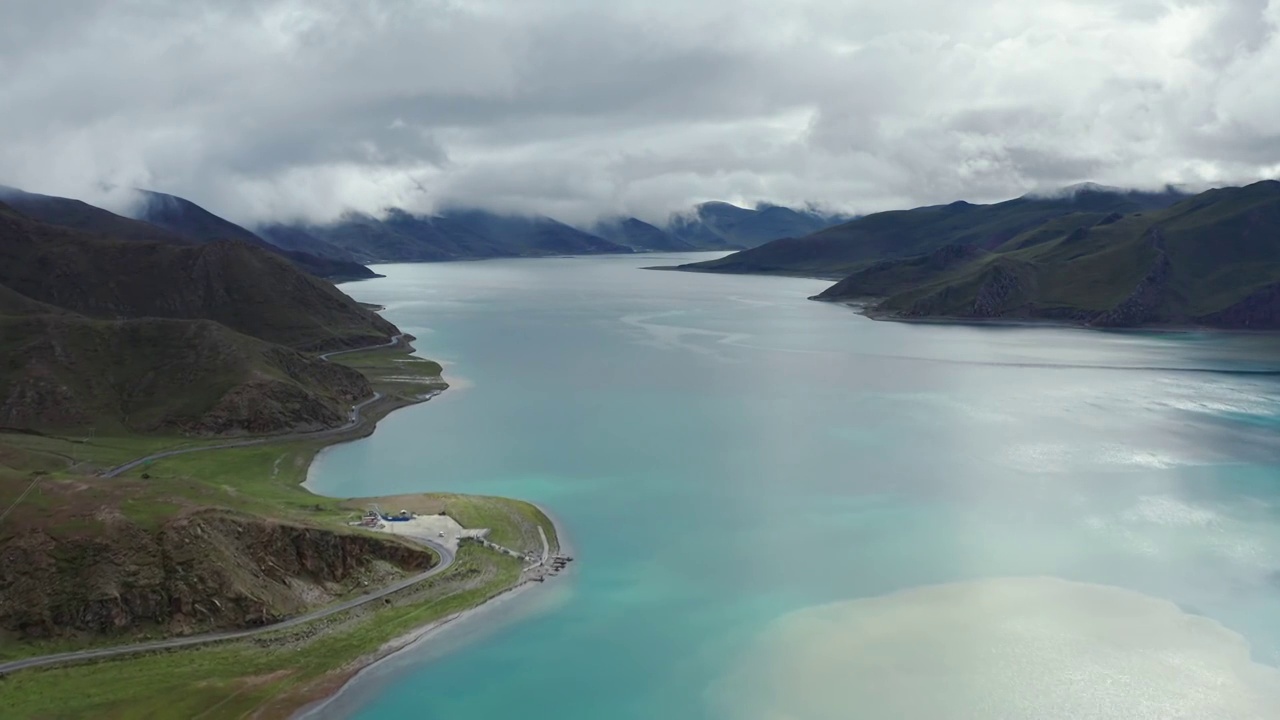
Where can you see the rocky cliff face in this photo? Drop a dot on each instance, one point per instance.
(212, 570)
(885, 276)
(1001, 292)
(1144, 304)
(1258, 311)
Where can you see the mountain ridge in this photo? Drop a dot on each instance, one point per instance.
(138, 336)
(842, 249)
(184, 223)
(1210, 260)
(402, 236)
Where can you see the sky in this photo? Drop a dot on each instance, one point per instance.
(284, 110)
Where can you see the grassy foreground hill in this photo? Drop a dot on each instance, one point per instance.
(1213, 259)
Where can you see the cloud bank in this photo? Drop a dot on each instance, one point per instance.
(290, 109)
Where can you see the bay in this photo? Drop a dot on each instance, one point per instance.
(726, 456)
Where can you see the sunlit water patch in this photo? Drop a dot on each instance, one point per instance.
(999, 649)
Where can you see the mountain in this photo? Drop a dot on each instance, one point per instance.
(468, 234)
(845, 248)
(155, 375)
(528, 235)
(86, 218)
(169, 219)
(720, 225)
(241, 286)
(186, 219)
(401, 236)
(641, 236)
(1212, 259)
(156, 337)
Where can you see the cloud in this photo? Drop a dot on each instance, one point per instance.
(285, 109)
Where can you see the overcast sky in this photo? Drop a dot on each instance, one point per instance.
(280, 109)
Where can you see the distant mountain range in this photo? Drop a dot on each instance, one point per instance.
(400, 236)
(177, 319)
(337, 251)
(1088, 254)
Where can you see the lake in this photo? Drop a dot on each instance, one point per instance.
(781, 509)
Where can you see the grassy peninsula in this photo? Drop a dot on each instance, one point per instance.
(228, 368)
(271, 675)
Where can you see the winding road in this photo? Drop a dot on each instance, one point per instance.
(353, 419)
(446, 560)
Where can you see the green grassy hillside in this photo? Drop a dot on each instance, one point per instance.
(153, 375)
(847, 248)
(241, 286)
(1213, 259)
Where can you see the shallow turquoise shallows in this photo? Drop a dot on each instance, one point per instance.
(727, 457)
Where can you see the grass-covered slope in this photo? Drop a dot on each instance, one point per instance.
(153, 375)
(846, 248)
(1213, 259)
(241, 286)
(181, 223)
(86, 218)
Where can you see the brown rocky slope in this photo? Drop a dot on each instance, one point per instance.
(207, 571)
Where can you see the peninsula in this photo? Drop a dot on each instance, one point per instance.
(160, 403)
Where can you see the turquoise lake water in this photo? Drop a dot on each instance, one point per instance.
(742, 471)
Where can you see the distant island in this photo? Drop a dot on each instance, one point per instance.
(1087, 255)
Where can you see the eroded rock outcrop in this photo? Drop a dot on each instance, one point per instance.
(1259, 311)
(1145, 304)
(211, 570)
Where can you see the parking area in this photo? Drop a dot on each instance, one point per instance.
(440, 529)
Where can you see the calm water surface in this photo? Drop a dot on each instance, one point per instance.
(726, 456)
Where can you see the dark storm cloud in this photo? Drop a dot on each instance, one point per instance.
(292, 108)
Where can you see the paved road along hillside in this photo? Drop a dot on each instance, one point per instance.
(446, 559)
(352, 420)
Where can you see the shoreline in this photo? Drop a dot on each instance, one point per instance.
(328, 692)
(833, 278)
(864, 307)
(397, 647)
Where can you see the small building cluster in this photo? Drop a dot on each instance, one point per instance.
(374, 517)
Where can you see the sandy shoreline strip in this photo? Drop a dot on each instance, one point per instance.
(370, 664)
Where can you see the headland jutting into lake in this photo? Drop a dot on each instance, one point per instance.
(497, 546)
